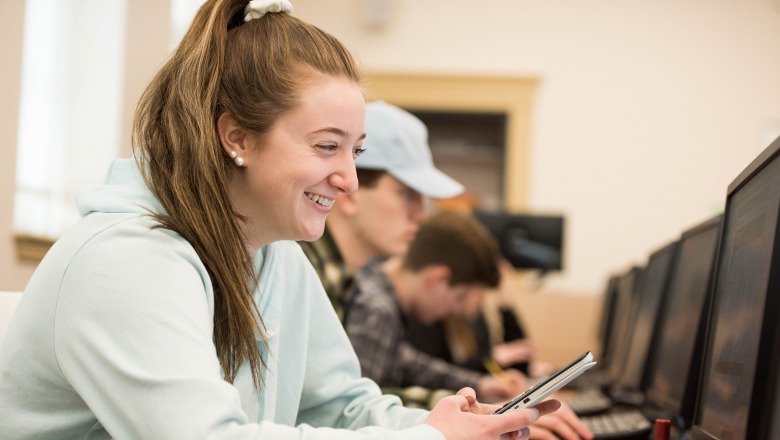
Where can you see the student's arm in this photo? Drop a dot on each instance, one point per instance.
(425, 370)
(376, 330)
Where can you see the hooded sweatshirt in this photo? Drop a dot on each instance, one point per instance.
(113, 338)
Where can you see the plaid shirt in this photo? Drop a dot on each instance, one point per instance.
(324, 255)
(375, 325)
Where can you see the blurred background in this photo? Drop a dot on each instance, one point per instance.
(627, 118)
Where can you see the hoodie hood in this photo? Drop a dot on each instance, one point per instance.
(123, 191)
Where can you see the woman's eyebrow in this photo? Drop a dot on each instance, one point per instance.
(337, 131)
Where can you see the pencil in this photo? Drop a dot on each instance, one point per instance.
(496, 371)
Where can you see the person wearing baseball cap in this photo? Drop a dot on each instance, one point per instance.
(395, 174)
(397, 142)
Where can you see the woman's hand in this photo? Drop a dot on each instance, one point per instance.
(462, 417)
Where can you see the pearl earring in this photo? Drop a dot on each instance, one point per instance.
(238, 160)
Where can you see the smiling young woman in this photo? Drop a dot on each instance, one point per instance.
(179, 307)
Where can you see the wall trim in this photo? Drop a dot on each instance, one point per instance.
(31, 247)
(512, 95)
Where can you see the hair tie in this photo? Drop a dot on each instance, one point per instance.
(258, 8)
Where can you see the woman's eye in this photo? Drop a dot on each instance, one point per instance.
(328, 147)
(358, 151)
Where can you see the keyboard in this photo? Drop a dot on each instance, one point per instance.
(588, 401)
(620, 424)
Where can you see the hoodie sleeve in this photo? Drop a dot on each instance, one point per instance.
(133, 336)
(332, 394)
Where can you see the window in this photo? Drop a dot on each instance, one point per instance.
(70, 112)
(70, 109)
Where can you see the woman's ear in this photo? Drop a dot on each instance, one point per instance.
(233, 137)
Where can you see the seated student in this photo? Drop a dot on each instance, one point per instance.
(177, 307)
(452, 258)
(466, 339)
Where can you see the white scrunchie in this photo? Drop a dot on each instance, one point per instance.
(258, 8)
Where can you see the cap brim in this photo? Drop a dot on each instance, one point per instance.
(429, 182)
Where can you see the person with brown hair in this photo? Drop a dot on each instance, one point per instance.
(451, 257)
(179, 307)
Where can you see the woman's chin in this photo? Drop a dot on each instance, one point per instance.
(312, 234)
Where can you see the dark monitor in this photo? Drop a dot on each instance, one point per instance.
(740, 372)
(607, 315)
(625, 308)
(774, 424)
(527, 241)
(649, 310)
(674, 379)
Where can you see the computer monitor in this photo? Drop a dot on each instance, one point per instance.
(674, 379)
(527, 241)
(740, 373)
(625, 310)
(650, 309)
(607, 315)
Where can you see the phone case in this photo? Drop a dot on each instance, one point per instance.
(556, 381)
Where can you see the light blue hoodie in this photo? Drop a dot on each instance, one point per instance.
(113, 339)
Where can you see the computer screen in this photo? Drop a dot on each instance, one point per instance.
(741, 363)
(527, 241)
(625, 308)
(674, 378)
(607, 315)
(652, 298)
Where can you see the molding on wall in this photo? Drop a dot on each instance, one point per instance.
(31, 248)
(471, 93)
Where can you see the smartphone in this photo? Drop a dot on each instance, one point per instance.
(543, 389)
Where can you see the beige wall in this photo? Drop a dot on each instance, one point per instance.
(645, 110)
(644, 113)
(13, 274)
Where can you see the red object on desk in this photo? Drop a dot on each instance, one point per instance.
(662, 428)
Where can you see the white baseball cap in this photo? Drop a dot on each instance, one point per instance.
(397, 142)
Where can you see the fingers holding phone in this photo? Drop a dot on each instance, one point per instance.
(455, 417)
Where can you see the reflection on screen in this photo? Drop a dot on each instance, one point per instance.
(742, 283)
(687, 293)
